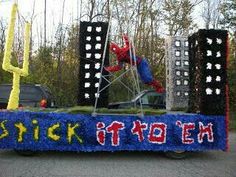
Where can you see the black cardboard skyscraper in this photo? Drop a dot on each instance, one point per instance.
(208, 77)
(91, 46)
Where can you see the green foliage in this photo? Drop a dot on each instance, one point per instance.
(232, 81)
(228, 11)
(232, 84)
(228, 21)
(177, 16)
(6, 77)
(232, 119)
(44, 70)
(42, 67)
(118, 92)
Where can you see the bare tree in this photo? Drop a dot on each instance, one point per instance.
(177, 15)
(211, 13)
(95, 9)
(45, 22)
(32, 17)
(61, 44)
(3, 29)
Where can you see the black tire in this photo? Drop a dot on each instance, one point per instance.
(25, 152)
(176, 154)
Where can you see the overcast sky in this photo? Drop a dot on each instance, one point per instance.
(54, 12)
(54, 9)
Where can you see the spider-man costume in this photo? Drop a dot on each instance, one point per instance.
(123, 56)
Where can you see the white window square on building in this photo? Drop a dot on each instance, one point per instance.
(98, 75)
(209, 91)
(98, 55)
(186, 63)
(209, 53)
(88, 55)
(88, 46)
(186, 53)
(98, 46)
(186, 43)
(185, 73)
(86, 95)
(185, 82)
(87, 75)
(178, 82)
(218, 66)
(177, 53)
(218, 78)
(218, 54)
(96, 85)
(99, 29)
(177, 43)
(178, 63)
(209, 41)
(89, 28)
(87, 66)
(96, 95)
(218, 91)
(97, 65)
(98, 38)
(218, 40)
(88, 38)
(86, 84)
(178, 73)
(208, 79)
(209, 66)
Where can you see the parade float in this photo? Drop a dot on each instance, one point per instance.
(196, 79)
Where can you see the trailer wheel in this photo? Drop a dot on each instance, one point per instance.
(176, 154)
(25, 152)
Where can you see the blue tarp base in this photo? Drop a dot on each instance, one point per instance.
(82, 132)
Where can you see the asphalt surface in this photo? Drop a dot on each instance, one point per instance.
(120, 164)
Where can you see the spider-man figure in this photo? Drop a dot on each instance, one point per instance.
(123, 56)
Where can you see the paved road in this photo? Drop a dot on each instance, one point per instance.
(122, 164)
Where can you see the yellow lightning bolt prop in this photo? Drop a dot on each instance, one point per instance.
(7, 66)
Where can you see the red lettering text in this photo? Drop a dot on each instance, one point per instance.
(101, 134)
(205, 130)
(138, 128)
(160, 138)
(114, 128)
(186, 127)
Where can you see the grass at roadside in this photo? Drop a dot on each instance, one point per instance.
(232, 120)
(89, 110)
